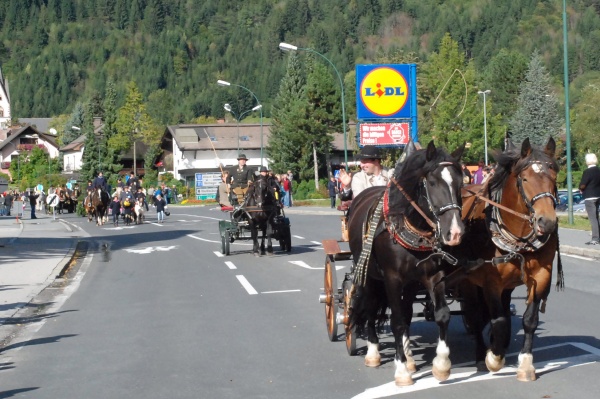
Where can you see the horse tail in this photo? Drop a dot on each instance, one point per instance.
(560, 276)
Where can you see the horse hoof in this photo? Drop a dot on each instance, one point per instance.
(404, 381)
(494, 363)
(256, 254)
(374, 361)
(440, 375)
(526, 375)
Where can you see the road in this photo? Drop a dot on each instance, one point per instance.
(155, 311)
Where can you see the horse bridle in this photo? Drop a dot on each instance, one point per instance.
(436, 213)
(529, 203)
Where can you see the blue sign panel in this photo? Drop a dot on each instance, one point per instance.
(385, 91)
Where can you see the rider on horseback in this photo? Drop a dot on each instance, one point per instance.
(100, 182)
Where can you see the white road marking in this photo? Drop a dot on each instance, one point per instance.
(246, 285)
(197, 216)
(304, 265)
(302, 238)
(424, 380)
(149, 250)
(230, 265)
(317, 242)
(219, 254)
(279, 292)
(156, 224)
(578, 257)
(218, 242)
(119, 228)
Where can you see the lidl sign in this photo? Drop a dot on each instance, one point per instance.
(385, 91)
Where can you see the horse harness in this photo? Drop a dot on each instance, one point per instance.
(404, 234)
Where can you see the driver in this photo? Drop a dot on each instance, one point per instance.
(372, 174)
(241, 177)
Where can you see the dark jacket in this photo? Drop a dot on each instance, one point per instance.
(160, 205)
(33, 199)
(100, 182)
(116, 207)
(241, 177)
(332, 187)
(590, 183)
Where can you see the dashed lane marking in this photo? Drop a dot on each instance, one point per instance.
(578, 257)
(230, 265)
(279, 292)
(301, 238)
(316, 242)
(219, 254)
(198, 216)
(247, 286)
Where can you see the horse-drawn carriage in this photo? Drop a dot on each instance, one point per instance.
(257, 210)
(424, 231)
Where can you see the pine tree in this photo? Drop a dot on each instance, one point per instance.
(288, 111)
(111, 157)
(69, 133)
(90, 160)
(537, 115)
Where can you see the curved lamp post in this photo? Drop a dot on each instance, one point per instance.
(237, 118)
(226, 84)
(485, 125)
(289, 47)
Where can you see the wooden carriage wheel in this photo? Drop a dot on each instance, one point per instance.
(350, 331)
(331, 300)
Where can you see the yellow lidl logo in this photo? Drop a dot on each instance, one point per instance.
(384, 91)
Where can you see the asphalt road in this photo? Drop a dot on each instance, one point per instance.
(155, 311)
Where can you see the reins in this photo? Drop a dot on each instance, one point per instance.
(412, 202)
(497, 205)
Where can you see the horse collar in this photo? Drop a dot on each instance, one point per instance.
(406, 235)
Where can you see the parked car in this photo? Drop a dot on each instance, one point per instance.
(563, 200)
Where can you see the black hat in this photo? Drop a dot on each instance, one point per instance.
(242, 156)
(369, 152)
(263, 169)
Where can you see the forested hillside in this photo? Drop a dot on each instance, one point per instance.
(55, 53)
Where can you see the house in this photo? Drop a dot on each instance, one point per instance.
(198, 153)
(20, 139)
(4, 103)
(73, 154)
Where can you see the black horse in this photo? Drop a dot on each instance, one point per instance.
(405, 224)
(261, 207)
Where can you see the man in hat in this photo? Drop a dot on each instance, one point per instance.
(241, 177)
(371, 174)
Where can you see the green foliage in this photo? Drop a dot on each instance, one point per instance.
(305, 189)
(35, 167)
(537, 116)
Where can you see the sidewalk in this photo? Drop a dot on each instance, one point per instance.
(32, 254)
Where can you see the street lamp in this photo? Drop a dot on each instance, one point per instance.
(237, 118)
(227, 84)
(567, 117)
(289, 47)
(485, 124)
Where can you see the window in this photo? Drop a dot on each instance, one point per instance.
(244, 138)
(213, 138)
(1, 111)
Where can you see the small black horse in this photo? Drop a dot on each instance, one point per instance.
(262, 207)
(406, 223)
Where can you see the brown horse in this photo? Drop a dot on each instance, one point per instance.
(396, 236)
(512, 225)
(96, 204)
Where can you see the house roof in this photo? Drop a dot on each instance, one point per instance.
(225, 137)
(14, 133)
(41, 124)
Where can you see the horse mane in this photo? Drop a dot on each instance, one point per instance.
(510, 161)
(409, 174)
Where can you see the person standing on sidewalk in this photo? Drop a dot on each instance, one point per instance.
(332, 188)
(590, 188)
(33, 201)
(8, 201)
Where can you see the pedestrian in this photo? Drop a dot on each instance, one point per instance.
(161, 204)
(8, 201)
(466, 174)
(222, 196)
(290, 176)
(174, 193)
(286, 185)
(332, 188)
(115, 207)
(478, 175)
(590, 188)
(32, 202)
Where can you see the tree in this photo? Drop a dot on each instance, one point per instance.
(91, 158)
(287, 113)
(586, 119)
(537, 115)
(111, 157)
(75, 120)
(132, 120)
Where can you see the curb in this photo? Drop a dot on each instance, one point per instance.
(587, 252)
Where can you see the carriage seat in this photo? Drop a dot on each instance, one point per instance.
(225, 208)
